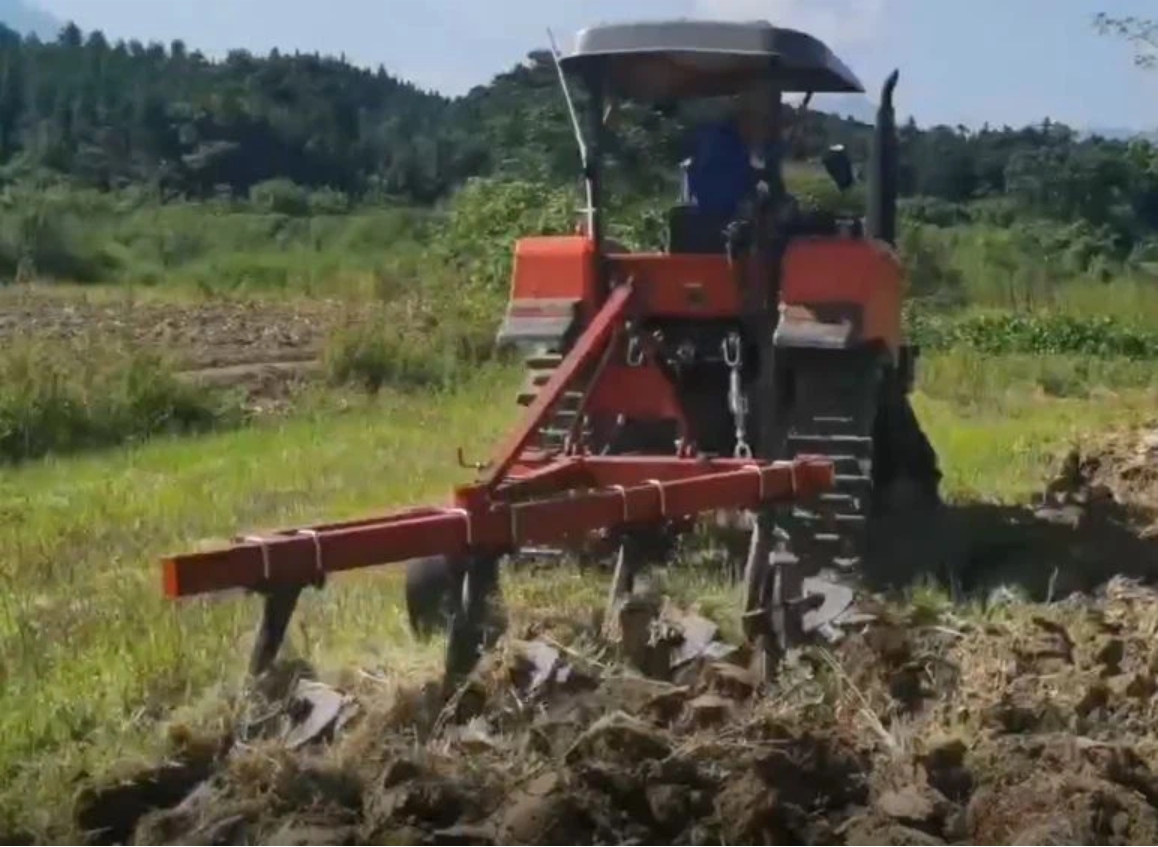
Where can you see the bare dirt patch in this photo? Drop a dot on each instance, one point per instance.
(266, 347)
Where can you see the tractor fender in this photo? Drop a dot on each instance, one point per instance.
(825, 326)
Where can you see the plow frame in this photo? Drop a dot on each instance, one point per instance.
(524, 497)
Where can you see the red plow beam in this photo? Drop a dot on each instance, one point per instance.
(622, 491)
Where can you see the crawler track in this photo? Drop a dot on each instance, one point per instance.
(539, 366)
(834, 415)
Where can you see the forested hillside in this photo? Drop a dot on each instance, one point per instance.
(109, 115)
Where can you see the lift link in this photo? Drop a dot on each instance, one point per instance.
(737, 400)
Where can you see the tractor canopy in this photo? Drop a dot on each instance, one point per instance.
(668, 61)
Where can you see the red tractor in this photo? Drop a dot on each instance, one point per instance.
(770, 335)
(757, 363)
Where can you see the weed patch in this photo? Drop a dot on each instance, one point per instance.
(64, 397)
(1042, 333)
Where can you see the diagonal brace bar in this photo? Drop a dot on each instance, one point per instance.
(587, 349)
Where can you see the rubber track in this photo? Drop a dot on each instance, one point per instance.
(831, 534)
(539, 368)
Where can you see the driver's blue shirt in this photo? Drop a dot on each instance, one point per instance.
(720, 174)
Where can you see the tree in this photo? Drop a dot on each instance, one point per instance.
(1141, 32)
(70, 36)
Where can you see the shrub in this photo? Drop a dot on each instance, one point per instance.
(928, 259)
(281, 196)
(405, 345)
(43, 236)
(328, 201)
(485, 218)
(932, 210)
(1038, 333)
(62, 398)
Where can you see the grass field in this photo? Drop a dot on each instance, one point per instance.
(109, 475)
(93, 655)
(94, 659)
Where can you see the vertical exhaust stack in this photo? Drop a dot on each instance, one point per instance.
(881, 214)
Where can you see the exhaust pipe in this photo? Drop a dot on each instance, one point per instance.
(881, 213)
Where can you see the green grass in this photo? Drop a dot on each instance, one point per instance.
(977, 383)
(77, 235)
(92, 654)
(1044, 333)
(999, 422)
(94, 658)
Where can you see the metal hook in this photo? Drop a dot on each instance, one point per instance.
(477, 466)
(634, 352)
(731, 349)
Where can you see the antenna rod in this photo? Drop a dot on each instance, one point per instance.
(570, 103)
(577, 129)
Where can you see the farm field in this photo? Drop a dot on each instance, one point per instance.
(102, 676)
(252, 343)
(255, 292)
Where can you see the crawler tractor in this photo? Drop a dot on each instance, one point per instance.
(758, 363)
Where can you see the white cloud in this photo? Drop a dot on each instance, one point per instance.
(833, 21)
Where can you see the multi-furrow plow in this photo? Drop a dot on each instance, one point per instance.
(527, 497)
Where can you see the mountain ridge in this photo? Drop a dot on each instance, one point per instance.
(27, 18)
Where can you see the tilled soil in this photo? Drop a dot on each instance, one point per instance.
(205, 334)
(1008, 723)
(265, 347)
(1033, 728)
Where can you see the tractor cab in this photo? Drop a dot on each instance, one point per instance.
(724, 260)
(727, 80)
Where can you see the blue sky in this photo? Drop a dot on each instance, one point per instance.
(1001, 61)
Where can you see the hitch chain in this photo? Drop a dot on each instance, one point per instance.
(737, 400)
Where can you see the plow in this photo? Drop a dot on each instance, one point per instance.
(757, 364)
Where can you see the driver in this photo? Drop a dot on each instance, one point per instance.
(733, 153)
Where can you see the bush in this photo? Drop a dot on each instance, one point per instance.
(815, 191)
(46, 236)
(281, 196)
(423, 339)
(928, 259)
(328, 201)
(485, 218)
(58, 398)
(932, 210)
(1040, 334)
